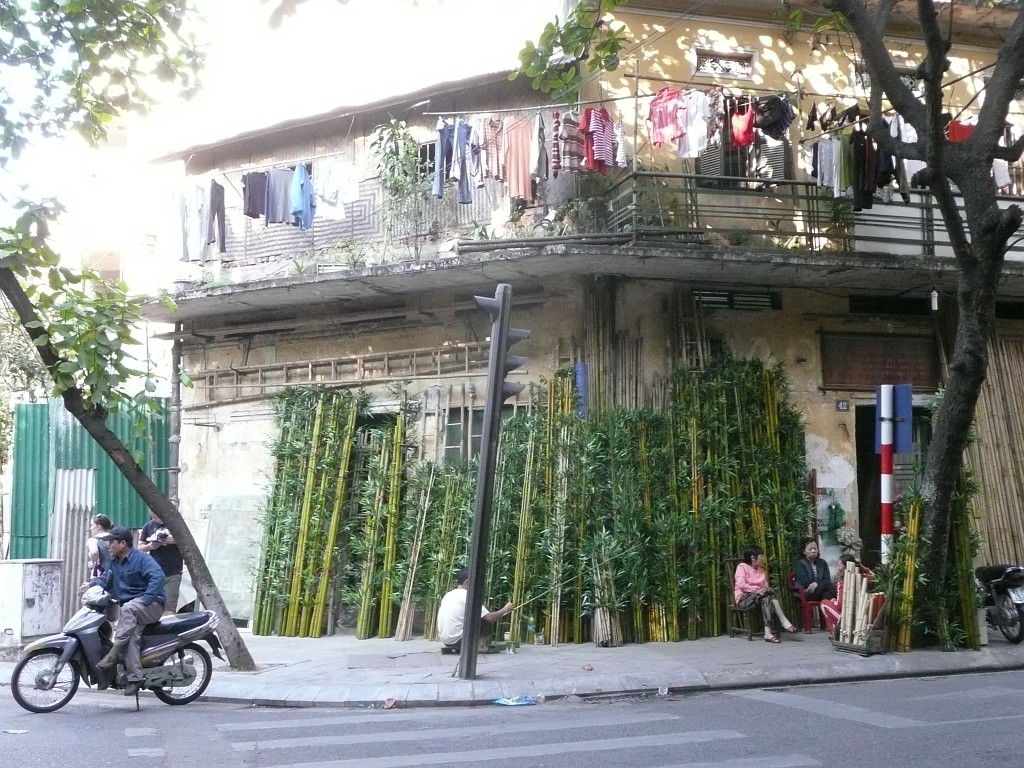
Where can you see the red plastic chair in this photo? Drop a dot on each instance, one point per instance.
(808, 608)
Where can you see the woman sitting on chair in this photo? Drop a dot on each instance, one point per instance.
(750, 587)
(833, 609)
(812, 572)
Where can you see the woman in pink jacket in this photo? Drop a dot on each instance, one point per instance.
(750, 587)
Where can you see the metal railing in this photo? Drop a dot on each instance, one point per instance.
(735, 211)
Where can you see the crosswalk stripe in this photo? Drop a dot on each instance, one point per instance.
(782, 761)
(451, 733)
(146, 752)
(830, 709)
(363, 718)
(532, 750)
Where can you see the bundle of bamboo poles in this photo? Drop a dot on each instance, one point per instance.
(861, 608)
(306, 510)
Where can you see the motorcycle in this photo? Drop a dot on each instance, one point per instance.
(175, 667)
(1001, 589)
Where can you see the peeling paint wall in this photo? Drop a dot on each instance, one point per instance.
(226, 461)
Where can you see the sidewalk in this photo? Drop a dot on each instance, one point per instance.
(343, 671)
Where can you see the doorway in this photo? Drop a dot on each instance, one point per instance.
(869, 468)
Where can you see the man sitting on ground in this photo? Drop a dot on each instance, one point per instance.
(451, 616)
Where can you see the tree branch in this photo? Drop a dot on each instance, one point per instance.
(878, 62)
(1000, 90)
(1011, 153)
(93, 420)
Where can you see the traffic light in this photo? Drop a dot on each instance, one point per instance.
(499, 364)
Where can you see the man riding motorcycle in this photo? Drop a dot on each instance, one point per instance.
(137, 582)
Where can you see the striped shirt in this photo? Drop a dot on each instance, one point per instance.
(572, 143)
(599, 141)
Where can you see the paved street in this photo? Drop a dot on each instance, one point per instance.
(964, 720)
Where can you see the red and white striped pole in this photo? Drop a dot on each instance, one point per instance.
(885, 404)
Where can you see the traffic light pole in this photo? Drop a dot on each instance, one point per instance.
(498, 390)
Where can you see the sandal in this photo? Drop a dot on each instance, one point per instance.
(772, 639)
(792, 628)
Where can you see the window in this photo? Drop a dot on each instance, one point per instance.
(907, 74)
(766, 160)
(731, 64)
(464, 432)
(752, 302)
(428, 159)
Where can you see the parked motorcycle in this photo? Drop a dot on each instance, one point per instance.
(1001, 589)
(176, 669)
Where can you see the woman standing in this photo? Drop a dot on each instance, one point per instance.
(812, 572)
(750, 587)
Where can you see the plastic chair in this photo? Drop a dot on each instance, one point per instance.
(808, 608)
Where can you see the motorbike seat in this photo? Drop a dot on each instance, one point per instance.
(179, 622)
(987, 573)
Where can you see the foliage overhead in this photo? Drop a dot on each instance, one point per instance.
(75, 66)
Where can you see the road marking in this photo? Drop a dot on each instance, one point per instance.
(379, 716)
(532, 750)
(785, 761)
(830, 709)
(449, 733)
(147, 752)
(135, 733)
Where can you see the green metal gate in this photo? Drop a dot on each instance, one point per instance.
(47, 439)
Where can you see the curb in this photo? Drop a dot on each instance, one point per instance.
(710, 682)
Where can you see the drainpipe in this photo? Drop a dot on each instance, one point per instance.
(174, 447)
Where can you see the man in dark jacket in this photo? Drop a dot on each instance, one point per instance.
(136, 581)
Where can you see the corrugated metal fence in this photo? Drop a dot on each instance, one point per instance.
(47, 440)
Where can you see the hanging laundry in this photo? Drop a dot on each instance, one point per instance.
(215, 221)
(716, 115)
(194, 221)
(598, 139)
(773, 116)
(621, 161)
(460, 160)
(327, 180)
(494, 136)
(516, 140)
(958, 131)
(571, 139)
(664, 116)
(477, 155)
(556, 145)
(443, 155)
(864, 170)
(697, 113)
(742, 124)
(279, 201)
(302, 196)
(539, 150)
(254, 194)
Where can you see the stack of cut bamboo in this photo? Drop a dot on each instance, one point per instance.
(861, 609)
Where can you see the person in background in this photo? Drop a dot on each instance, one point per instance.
(833, 609)
(157, 540)
(137, 583)
(451, 615)
(812, 572)
(750, 588)
(98, 545)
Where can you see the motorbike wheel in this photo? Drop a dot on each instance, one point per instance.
(188, 693)
(1014, 634)
(35, 699)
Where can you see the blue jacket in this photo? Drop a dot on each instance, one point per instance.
(134, 575)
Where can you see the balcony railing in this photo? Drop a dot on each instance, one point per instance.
(724, 211)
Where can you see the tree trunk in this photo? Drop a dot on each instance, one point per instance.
(94, 422)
